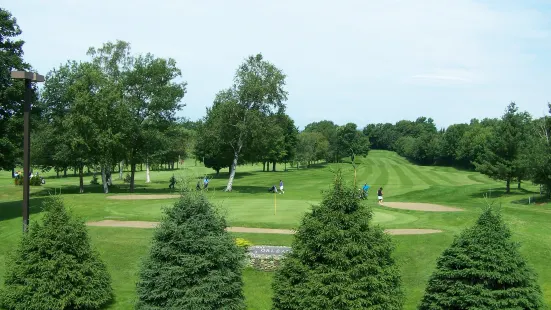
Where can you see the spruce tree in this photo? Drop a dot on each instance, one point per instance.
(339, 260)
(55, 267)
(193, 262)
(483, 269)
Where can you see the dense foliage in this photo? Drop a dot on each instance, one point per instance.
(55, 268)
(483, 269)
(120, 109)
(193, 262)
(11, 92)
(339, 260)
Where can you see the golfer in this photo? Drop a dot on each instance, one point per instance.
(281, 187)
(380, 195)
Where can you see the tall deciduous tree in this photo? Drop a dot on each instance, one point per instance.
(111, 114)
(216, 134)
(483, 269)
(502, 159)
(11, 92)
(351, 141)
(339, 260)
(540, 159)
(152, 98)
(329, 130)
(69, 100)
(257, 91)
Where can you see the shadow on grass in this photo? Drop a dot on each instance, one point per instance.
(13, 209)
(501, 192)
(536, 198)
(243, 189)
(98, 189)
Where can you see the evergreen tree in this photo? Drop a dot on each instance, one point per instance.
(339, 261)
(55, 267)
(483, 269)
(193, 262)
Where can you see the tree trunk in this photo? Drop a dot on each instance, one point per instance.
(81, 178)
(65, 172)
(141, 167)
(178, 163)
(120, 169)
(285, 166)
(217, 172)
(274, 166)
(57, 173)
(508, 186)
(263, 166)
(75, 172)
(519, 184)
(147, 179)
(13, 173)
(232, 171)
(104, 180)
(132, 171)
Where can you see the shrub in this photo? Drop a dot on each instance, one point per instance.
(483, 269)
(127, 178)
(35, 181)
(55, 268)
(243, 243)
(339, 261)
(193, 262)
(94, 180)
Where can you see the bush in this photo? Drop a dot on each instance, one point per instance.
(193, 262)
(339, 261)
(35, 181)
(127, 178)
(94, 180)
(243, 243)
(55, 267)
(483, 269)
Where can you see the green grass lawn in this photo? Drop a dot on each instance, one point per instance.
(251, 205)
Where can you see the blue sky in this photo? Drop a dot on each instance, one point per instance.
(346, 61)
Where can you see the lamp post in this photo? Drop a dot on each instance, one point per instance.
(29, 77)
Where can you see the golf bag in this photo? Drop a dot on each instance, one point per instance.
(272, 189)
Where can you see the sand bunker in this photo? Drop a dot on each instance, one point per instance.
(420, 207)
(141, 197)
(143, 224)
(412, 231)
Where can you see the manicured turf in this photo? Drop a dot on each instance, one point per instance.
(251, 205)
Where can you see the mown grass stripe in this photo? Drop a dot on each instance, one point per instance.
(376, 172)
(384, 176)
(443, 176)
(410, 173)
(417, 172)
(404, 179)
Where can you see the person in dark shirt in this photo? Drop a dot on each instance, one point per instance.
(380, 195)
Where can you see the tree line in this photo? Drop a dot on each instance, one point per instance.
(117, 109)
(513, 148)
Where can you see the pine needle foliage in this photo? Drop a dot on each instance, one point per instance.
(193, 262)
(339, 260)
(483, 269)
(55, 267)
